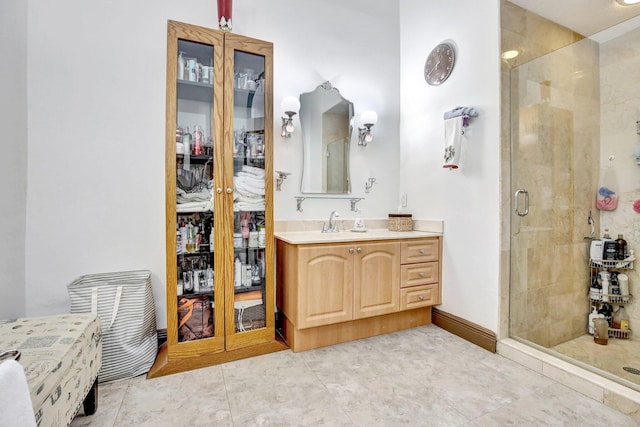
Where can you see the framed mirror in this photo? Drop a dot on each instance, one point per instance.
(326, 124)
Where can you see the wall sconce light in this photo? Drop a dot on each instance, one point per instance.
(368, 119)
(290, 105)
(627, 2)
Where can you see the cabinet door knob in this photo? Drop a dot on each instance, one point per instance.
(421, 297)
(421, 251)
(229, 191)
(350, 250)
(218, 190)
(421, 274)
(359, 250)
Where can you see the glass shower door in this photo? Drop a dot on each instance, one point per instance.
(554, 159)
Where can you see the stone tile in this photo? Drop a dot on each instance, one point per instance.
(110, 396)
(419, 377)
(556, 405)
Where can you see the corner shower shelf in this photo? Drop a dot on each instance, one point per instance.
(613, 298)
(606, 264)
(597, 299)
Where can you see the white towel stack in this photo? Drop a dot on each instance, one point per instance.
(249, 189)
(198, 201)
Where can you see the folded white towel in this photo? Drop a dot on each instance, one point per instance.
(248, 199)
(253, 170)
(250, 179)
(15, 401)
(184, 197)
(453, 135)
(248, 207)
(194, 207)
(248, 190)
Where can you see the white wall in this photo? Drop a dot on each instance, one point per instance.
(96, 97)
(13, 144)
(466, 199)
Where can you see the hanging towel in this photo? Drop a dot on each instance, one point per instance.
(461, 111)
(15, 401)
(453, 134)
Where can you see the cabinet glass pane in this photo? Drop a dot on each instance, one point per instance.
(194, 185)
(249, 192)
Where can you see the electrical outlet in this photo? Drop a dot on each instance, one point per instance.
(404, 200)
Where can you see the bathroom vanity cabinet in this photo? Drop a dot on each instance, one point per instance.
(343, 281)
(339, 291)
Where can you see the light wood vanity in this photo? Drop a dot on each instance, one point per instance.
(346, 286)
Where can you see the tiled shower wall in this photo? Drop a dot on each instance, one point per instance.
(620, 109)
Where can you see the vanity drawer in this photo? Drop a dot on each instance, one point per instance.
(419, 274)
(419, 296)
(420, 250)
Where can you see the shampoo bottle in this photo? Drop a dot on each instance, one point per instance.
(592, 316)
(622, 247)
(237, 273)
(605, 289)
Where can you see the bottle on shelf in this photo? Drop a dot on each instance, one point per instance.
(621, 319)
(623, 283)
(593, 315)
(183, 236)
(198, 137)
(622, 247)
(237, 273)
(595, 291)
(181, 65)
(605, 289)
(262, 237)
(210, 276)
(186, 142)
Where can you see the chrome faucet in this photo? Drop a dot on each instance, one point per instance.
(333, 227)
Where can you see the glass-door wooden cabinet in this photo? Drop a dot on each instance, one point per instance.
(219, 235)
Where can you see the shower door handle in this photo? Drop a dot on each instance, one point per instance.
(526, 202)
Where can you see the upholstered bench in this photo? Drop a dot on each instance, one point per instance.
(61, 356)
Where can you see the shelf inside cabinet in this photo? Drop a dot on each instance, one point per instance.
(245, 289)
(196, 159)
(195, 91)
(208, 293)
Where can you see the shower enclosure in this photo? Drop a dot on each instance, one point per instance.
(572, 112)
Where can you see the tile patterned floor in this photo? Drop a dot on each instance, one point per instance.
(418, 377)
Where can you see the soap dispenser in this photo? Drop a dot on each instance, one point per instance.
(358, 224)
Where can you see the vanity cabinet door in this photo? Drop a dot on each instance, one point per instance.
(376, 279)
(325, 283)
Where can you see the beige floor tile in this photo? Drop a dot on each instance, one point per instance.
(419, 377)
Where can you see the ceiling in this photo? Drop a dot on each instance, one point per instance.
(586, 17)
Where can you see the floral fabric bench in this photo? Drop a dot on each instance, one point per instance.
(61, 356)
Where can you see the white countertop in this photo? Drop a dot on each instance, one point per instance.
(306, 237)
